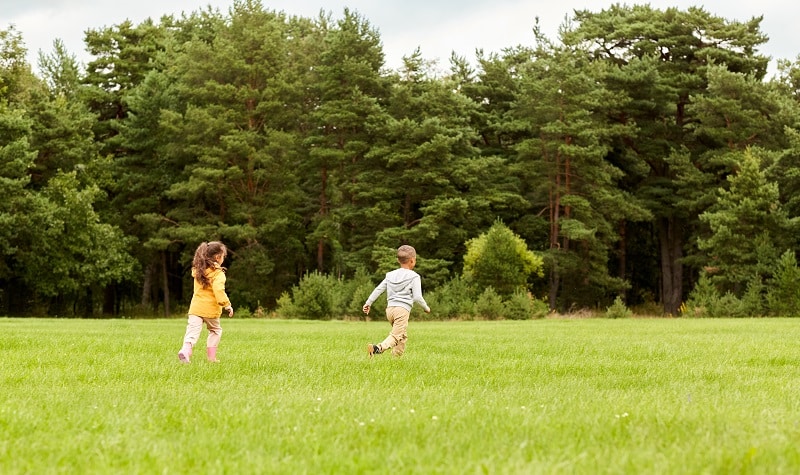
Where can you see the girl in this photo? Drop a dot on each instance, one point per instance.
(208, 300)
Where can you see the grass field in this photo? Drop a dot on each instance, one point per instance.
(589, 396)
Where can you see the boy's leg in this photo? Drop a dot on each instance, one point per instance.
(398, 317)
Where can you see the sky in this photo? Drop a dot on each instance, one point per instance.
(437, 27)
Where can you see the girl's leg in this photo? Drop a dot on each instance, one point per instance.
(214, 335)
(193, 328)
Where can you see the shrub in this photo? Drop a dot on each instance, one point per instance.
(451, 300)
(702, 298)
(489, 304)
(518, 307)
(540, 308)
(728, 305)
(618, 309)
(501, 259)
(313, 298)
(784, 287)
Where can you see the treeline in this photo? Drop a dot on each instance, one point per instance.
(641, 153)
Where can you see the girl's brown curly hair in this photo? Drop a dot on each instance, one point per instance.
(205, 258)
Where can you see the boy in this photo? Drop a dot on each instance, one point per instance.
(403, 287)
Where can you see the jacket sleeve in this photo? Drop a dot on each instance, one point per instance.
(218, 286)
(416, 293)
(376, 293)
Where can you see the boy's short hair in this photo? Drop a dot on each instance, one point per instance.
(405, 253)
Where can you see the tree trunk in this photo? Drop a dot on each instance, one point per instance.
(623, 253)
(323, 211)
(110, 300)
(671, 242)
(147, 286)
(555, 281)
(165, 282)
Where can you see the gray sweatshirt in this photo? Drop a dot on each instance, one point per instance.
(403, 287)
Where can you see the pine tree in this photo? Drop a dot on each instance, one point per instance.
(748, 228)
(566, 172)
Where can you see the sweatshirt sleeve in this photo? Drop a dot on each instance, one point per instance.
(376, 293)
(218, 287)
(416, 293)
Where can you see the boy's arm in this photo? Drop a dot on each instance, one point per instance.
(416, 294)
(374, 296)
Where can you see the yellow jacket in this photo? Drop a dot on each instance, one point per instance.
(208, 302)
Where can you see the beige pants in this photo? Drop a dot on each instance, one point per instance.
(195, 326)
(398, 317)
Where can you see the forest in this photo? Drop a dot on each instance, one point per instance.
(642, 155)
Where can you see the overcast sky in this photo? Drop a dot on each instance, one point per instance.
(437, 27)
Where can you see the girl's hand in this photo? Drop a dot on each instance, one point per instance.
(229, 309)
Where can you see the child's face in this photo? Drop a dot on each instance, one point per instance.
(220, 258)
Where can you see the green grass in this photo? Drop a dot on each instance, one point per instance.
(549, 396)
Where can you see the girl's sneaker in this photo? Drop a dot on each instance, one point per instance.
(373, 349)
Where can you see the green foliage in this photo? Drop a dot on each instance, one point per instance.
(783, 295)
(499, 259)
(451, 300)
(702, 297)
(747, 227)
(312, 298)
(489, 304)
(618, 309)
(322, 297)
(522, 306)
(286, 137)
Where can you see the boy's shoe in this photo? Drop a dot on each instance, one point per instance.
(373, 349)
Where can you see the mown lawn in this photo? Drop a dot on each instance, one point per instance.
(586, 396)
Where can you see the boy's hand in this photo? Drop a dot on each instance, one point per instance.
(427, 310)
(366, 309)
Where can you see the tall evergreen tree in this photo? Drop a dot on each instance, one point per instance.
(749, 229)
(237, 157)
(664, 56)
(350, 92)
(424, 181)
(566, 173)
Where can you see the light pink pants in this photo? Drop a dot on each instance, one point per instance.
(195, 326)
(398, 317)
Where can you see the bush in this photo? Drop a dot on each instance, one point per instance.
(314, 298)
(784, 291)
(728, 305)
(618, 309)
(518, 307)
(452, 300)
(355, 293)
(489, 304)
(701, 299)
(501, 259)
